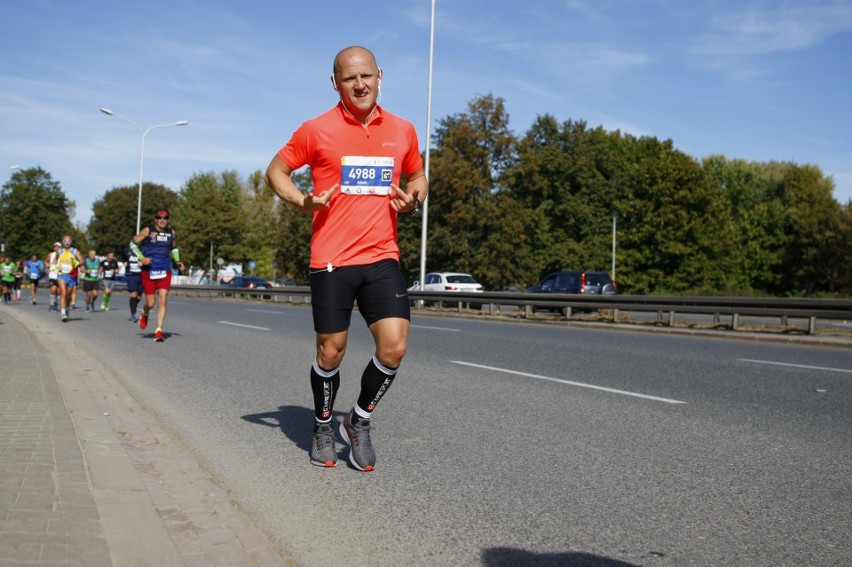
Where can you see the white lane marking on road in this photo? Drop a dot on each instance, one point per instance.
(434, 328)
(570, 383)
(245, 326)
(278, 312)
(795, 365)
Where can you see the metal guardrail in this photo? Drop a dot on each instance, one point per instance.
(568, 304)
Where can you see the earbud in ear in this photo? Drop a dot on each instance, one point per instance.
(334, 83)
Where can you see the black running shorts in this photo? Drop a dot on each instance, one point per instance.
(378, 288)
(134, 284)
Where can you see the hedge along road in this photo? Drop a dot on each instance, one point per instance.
(509, 444)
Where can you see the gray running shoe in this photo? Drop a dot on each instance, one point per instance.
(323, 453)
(361, 453)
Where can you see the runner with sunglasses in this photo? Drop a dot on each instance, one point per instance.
(155, 249)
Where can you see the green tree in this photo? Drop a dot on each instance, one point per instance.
(259, 211)
(472, 151)
(293, 234)
(568, 178)
(211, 212)
(839, 269)
(508, 211)
(813, 221)
(671, 242)
(34, 213)
(113, 221)
(755, 228)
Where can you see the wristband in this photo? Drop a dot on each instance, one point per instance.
(136, 250)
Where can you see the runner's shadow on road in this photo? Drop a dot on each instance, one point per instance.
(294, 421)
(149, 336)
(510, 557)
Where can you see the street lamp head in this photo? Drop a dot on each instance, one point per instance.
(144, 133)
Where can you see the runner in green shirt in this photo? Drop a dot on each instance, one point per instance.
(92, 272)
(7, 278)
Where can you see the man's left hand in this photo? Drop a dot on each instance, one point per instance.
(402, 202)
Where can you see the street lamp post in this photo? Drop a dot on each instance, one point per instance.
(144, 133)
(614, 216)
(424, 228)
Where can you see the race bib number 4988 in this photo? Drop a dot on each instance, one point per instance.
(361, 175)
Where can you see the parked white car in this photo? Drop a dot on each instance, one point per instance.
(448, 281)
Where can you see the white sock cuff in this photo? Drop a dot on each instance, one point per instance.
(385, 370)
(324, 373)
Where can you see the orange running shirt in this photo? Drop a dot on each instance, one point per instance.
(356, 228)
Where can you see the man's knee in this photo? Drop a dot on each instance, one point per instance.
(391, 355)
(329, 357)
(330, 350)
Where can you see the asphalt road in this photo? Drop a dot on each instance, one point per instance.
(510, 444)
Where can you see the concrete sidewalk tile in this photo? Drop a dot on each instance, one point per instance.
(124, 486)
(131, 525)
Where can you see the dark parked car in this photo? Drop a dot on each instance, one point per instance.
(576, 282)
(587, 283)
(250, 282)
(600, 283)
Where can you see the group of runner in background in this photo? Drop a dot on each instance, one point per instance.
(66, 269)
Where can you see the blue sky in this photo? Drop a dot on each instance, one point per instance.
(751, 79)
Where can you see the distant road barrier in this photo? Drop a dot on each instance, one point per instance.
(666, 307)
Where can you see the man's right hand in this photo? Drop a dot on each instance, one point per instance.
(313, 202)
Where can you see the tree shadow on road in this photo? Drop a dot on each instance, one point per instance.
(295, 422)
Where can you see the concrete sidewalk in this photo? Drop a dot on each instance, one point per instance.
(88, 478)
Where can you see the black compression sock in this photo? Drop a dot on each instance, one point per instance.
(375, 382)
(324, 385)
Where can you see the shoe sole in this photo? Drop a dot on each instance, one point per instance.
(344, 433)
